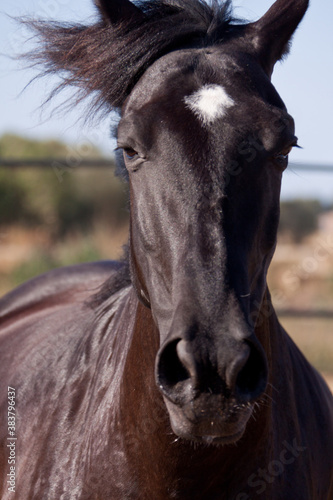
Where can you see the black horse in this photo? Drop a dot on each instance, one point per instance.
(168, 376)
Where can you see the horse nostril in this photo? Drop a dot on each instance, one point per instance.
(178, 374)
(186, 358)
(251, 377)
(235, 367)
(172, 367)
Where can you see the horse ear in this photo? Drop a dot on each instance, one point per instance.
(114, 11)
(272, 33)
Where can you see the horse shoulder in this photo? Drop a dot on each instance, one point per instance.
(46, 317)
(60, 354)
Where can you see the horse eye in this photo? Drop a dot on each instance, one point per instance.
(286, 151)
(130, 153)
(282, 157)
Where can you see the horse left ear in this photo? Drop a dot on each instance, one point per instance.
(114, 11)
(272, 33)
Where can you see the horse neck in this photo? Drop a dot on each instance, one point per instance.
(274, 340)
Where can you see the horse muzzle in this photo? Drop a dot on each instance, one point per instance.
(209, 419)
(210, 391)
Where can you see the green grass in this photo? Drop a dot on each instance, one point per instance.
(43, 261)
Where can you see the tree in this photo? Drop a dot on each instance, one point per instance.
(299, 218)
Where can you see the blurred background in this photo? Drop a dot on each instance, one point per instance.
(60, 202)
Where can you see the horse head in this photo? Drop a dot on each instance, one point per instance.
(206, 138)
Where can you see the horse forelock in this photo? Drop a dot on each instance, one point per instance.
(107, 60)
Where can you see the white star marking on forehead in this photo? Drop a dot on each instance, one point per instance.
(209, 103)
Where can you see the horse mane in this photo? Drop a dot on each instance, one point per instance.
(107, 59)
(117, 281)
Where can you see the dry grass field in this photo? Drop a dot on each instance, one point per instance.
(329, 380)
(314, 336)
(301, 278)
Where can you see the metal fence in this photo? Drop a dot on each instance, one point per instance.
(98, 162)
(51, 162)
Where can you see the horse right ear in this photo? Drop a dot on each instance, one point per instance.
(271, 34)
(114, 11)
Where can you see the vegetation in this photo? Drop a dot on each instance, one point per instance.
(299, 218)
(44, 260)
(63, 199)
(13, 146)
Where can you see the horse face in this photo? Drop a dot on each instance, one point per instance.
(205, 139)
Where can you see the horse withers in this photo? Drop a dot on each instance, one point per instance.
(168, 375)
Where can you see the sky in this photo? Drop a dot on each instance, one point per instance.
(304, 81)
